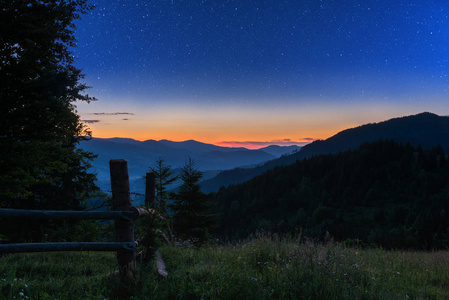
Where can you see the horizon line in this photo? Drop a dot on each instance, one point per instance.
(251, 145)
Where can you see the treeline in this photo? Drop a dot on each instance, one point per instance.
(383, 193)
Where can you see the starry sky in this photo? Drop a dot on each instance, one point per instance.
(258, 72)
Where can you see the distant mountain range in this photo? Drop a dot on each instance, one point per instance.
(223, 166)
(425, 129)
(142, 155)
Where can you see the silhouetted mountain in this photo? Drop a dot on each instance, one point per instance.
(123, 141)
(141, 155)
(425, 129)
(198, 147)
(381, 193)
(279, 151)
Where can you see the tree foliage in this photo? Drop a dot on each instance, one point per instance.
(191, 207)
(164, 177)
(382, 193)
(41, 166)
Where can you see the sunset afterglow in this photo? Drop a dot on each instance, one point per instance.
(255, 73)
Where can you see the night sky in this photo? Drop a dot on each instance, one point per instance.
(259, 71)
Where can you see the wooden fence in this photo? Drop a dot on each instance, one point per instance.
(123, 213)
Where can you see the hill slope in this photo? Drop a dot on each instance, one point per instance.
(424, 129)
(382, 193)
(141, 155)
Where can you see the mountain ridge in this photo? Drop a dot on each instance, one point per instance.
(141, 155)
(425, 129)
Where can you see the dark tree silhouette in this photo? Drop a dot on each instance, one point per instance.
(382, 193)
(41, 166)
(164, 177)
(190, 207)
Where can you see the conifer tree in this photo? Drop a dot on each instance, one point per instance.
(164, 177)
(190, 207)
(41, 166)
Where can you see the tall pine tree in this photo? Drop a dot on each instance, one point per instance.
(41, 166)
(190, 207)
(164, 177)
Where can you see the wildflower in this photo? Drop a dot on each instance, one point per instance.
(21, 294)
(398, 273)
(254, 278)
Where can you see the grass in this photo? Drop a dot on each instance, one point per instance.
(69, 275)
(262, 268)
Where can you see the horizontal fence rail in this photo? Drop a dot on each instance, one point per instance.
(123, 213)
(82, 246)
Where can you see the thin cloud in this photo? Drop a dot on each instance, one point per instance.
(90, 121)
(111, 114)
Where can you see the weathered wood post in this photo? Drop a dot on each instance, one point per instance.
(121, 200)
(150, 190)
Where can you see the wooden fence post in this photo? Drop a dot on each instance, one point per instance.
(150, 190)
(121, 200)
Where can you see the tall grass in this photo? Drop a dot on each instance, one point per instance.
(271, 268)
(69, 275)
(262, 268)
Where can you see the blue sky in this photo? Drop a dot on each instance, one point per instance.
(261, 71)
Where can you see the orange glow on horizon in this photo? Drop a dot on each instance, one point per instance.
(227, 139)
(258, 145)
(232, 125)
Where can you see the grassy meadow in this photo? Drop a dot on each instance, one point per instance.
(261, 268)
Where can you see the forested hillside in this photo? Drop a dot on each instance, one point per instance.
(425, 129)
(382, 193)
